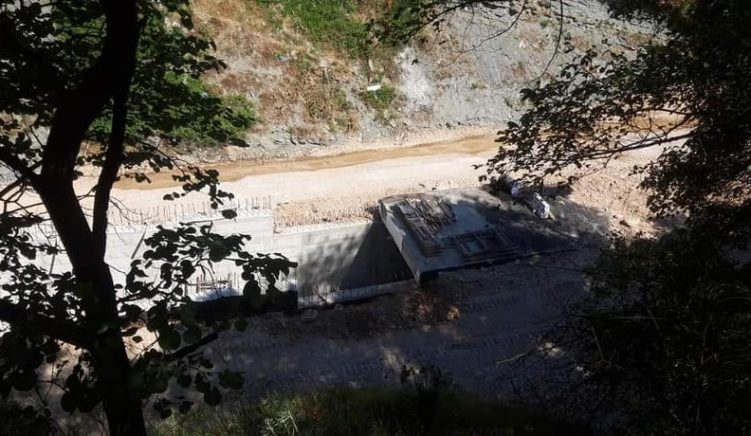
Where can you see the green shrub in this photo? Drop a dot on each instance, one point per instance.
(200, 118)
(345, 411)
(353, 25)
(327, 22)
(402, 21)
(381, 99)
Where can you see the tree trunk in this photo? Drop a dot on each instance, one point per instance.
(123, 409)
(110, 360)
(109, 78)
(109, 357)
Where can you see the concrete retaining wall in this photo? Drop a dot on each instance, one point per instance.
(356, 257)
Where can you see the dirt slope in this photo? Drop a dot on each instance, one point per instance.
(312, 97)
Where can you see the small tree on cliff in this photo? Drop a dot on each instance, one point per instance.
(114, 72)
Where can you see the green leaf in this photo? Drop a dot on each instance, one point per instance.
(169, 338)
(231, 380)
(229, 214)
(212, 397)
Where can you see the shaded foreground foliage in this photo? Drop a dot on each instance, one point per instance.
(23, 421)
(346, 411)
(664, 337)
(125, 74)
(662, 343)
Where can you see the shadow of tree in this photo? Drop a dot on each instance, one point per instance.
(504, 311)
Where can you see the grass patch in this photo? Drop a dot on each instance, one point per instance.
(346, 411)
(381, 99)
(329, 23)
(351, 26)
(382, 102)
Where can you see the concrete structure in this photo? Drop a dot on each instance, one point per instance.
(433, 232)
(330, 258)
(452, 229)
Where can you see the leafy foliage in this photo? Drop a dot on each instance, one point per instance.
(167, 97)
(601, 106)
(361, 30)
(664, 336)
(380, 99)
(21, 421)
(347, 411)
(328, 22)
(194, 116)
(122, 74)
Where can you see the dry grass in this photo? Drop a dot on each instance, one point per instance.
(270, 62)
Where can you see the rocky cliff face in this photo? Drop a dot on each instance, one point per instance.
(312, 98)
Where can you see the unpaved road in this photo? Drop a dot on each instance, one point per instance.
(335, 176)
(481, 145)
(342, 188)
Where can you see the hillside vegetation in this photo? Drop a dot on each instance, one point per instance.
(323, 72)
(345, 411)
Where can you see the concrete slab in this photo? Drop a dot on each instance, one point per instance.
(460, 228)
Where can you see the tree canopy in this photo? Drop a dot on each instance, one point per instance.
(126, 77)
(664, 335)
(662, 340)
(604, 104)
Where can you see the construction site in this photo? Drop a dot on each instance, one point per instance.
(399, 261)
(462, 228)
(399, 227)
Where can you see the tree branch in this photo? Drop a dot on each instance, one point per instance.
(61, 330)
(113, 160)
(179, 354)
(18, 165)
(638, 145)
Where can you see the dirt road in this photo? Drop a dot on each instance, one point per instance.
(479, 145)
(344, 188)
(325, 188)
